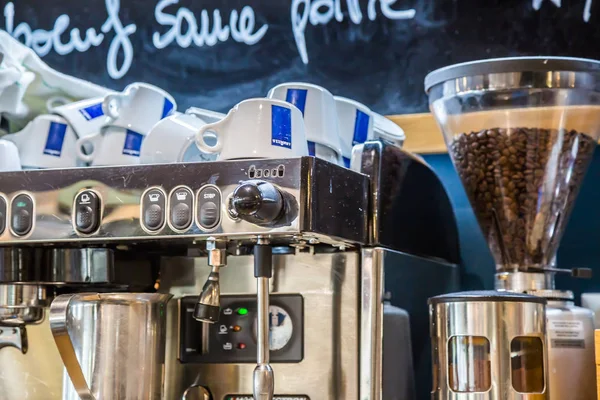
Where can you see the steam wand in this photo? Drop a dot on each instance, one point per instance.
(264, 381)
(208, 307)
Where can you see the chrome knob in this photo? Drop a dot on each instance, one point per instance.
(257, 201)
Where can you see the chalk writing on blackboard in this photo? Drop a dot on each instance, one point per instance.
(186, 28)
(42, 41)
(537, 4)
(241, 27)
(322, 12)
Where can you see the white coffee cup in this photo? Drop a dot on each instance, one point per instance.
(86, 117)
(112, 146)
(386, 129)
(205, 115)
(324, 153)
(355, 121)
(257, 128)
(138, 107)
(9, 156)
(46, 142)
(172, 139)
(318, 108)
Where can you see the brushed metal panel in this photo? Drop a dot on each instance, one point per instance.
(330, 286)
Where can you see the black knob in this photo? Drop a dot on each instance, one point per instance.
(257, 201)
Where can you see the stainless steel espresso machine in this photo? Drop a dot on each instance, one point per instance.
(521, 133)
(220, 280)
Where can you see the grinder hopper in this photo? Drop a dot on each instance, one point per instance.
(521, 133)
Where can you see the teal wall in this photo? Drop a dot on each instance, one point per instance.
(580, 246)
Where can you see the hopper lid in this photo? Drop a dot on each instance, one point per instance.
(485, 295)
(510, 64)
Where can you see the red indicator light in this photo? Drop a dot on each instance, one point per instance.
(241, 346)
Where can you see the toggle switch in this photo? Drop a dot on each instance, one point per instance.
(154, 210)
(3, 212)
(22, 214)
(87, 212)
(181, 203)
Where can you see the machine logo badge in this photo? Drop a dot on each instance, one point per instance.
(55, 140)
(133, 143)
(92, 112)
(281, 127)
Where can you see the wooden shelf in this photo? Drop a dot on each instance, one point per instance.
(424, 137)
(422, 133)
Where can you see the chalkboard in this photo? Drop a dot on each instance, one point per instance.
(214, 53)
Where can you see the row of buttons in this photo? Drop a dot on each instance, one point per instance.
(87, 209)
(21, 210)
(180, 204)
(87, 213)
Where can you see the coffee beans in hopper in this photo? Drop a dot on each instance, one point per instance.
(522, 183)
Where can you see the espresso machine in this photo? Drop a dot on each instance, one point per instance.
(521, 133)
(259, 278)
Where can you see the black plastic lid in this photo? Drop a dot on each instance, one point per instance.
(511, 64)
(485, 295)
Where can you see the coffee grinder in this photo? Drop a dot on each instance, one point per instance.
(521, 133)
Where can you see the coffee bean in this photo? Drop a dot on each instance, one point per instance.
(505, 172)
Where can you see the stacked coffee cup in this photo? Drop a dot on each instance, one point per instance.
(331, 126)
(98, 131)
(130, 116)
(141, 125)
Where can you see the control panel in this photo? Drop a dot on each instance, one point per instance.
(233, 338)
(238, 199)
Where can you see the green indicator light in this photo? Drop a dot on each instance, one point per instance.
(242, 311)
(21, 204)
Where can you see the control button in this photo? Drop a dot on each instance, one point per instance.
(181, 203)
(153, 217)
(209, 214)
(22, 214)
(256, 201)
(87, 212)
(209, 207)
(3, 209)
(153, 210)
